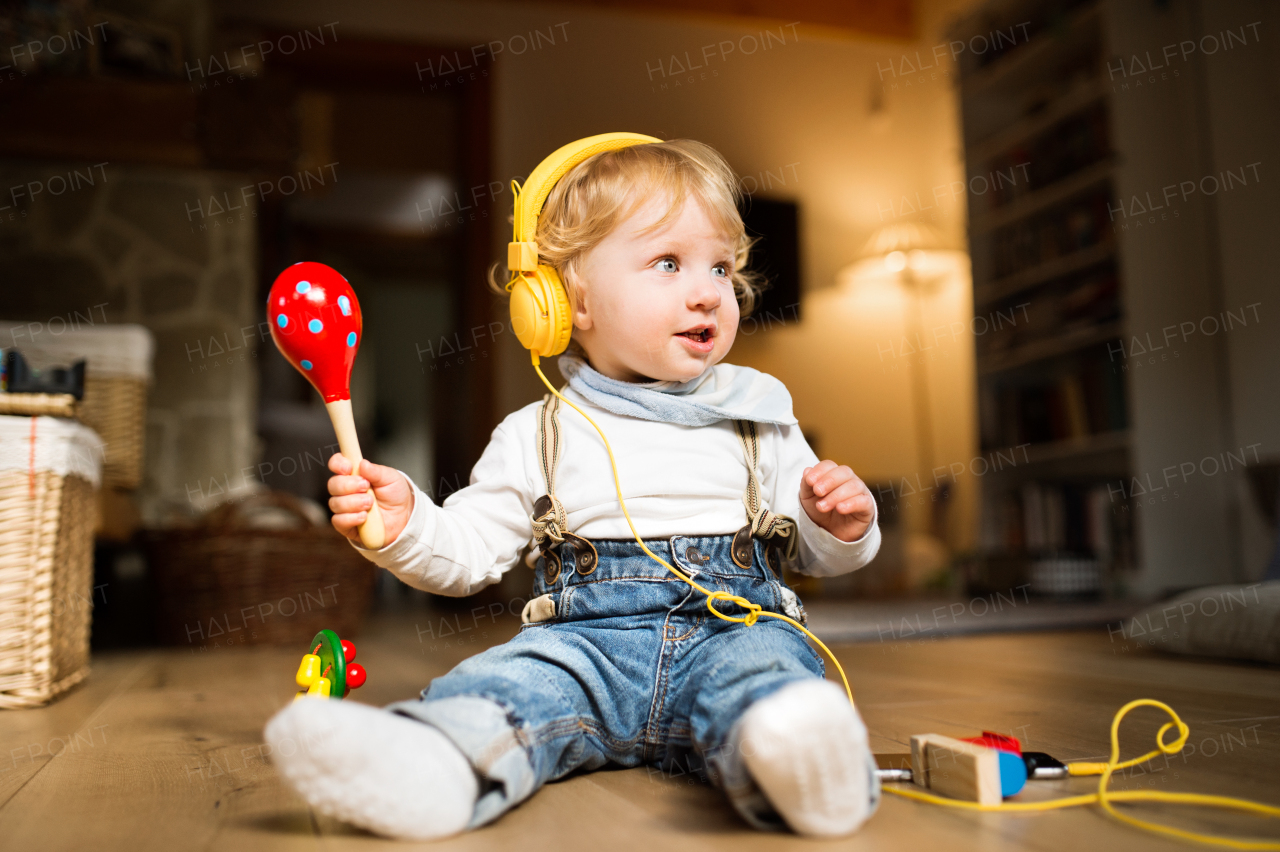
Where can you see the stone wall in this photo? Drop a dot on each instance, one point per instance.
(122, 244)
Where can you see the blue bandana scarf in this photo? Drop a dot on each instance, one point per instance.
(721, 392)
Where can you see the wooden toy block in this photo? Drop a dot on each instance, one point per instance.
(956, 769)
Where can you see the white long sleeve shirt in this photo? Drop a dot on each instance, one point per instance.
(676, 480)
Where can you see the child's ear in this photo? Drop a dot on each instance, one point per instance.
(581, 312)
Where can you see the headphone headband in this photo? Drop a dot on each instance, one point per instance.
(522, 253)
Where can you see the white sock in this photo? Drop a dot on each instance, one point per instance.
(372, 768)
(807, 749)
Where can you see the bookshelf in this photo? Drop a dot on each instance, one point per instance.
(1053, 409)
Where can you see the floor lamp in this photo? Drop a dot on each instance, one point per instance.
(909, 258)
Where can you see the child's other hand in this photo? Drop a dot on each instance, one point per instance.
(351, 499)
(837, 500)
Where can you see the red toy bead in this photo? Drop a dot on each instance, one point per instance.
(355, 676)
(348, 650)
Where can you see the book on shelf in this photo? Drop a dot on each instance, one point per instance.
(1077, 141)
(1086, 398)
(1017, 32)
(1042, 518)
(1062, 230)
(1070, 305)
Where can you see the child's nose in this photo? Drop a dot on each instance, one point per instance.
(704, 293)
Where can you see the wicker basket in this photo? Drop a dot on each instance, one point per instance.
(48, 471)
(117, 373)
(226, 583)
(116, 408)
(32, 404)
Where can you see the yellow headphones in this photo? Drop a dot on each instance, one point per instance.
(540, 313)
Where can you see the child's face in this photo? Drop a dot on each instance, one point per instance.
(639, 292)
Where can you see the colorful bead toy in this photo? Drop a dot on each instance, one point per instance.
(328, 670)
(316, 324)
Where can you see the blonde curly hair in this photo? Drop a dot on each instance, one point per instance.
(605, 189)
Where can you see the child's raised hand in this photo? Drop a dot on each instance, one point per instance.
(837, 500)
(351, 499)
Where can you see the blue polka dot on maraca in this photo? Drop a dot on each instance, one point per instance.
(306, 365)
(351, 338)
(345, 304)
(315, 326)
(303, 286)
(282, 320)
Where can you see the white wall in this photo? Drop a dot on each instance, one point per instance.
(1244, 127)
(1211, 392)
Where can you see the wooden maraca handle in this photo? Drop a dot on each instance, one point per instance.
(373, 534)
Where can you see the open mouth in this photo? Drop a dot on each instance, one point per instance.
(702, 334)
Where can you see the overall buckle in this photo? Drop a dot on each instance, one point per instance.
(742, 548)
(584, 560)
(585, 557)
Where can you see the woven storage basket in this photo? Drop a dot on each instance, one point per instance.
(226, 583)
(48, 471)
(116, 408)
(117, 373)
(51, 404)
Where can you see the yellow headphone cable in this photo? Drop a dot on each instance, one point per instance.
(540, 319)
(754, 611)
(1080, 768)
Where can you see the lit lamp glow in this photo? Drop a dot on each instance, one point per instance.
(909, 257)
(906, 263)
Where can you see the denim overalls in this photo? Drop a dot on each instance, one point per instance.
(620, 662)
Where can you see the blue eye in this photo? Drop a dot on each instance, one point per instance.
(723, 269)
(667, 260)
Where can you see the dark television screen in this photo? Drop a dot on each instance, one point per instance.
(777, 256)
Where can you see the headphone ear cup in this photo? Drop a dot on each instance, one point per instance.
(561, 315)
(547, 334)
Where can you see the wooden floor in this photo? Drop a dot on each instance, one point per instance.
(160, 749)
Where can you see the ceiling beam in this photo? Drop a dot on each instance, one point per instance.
(891, 18)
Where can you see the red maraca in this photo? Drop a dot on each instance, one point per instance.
(315, 322)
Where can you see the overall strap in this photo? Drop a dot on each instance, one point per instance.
(550, 520)
(760, 521)
(549, 517)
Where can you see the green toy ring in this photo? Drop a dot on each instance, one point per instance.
(332, 660)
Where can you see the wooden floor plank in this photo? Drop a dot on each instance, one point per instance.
(179, 762)
(30, 739)
(183, 741)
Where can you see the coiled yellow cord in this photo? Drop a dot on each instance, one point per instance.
(1105, 797)
(754, 611)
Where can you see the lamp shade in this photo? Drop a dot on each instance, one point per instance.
(904, 254)
(903, 237)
